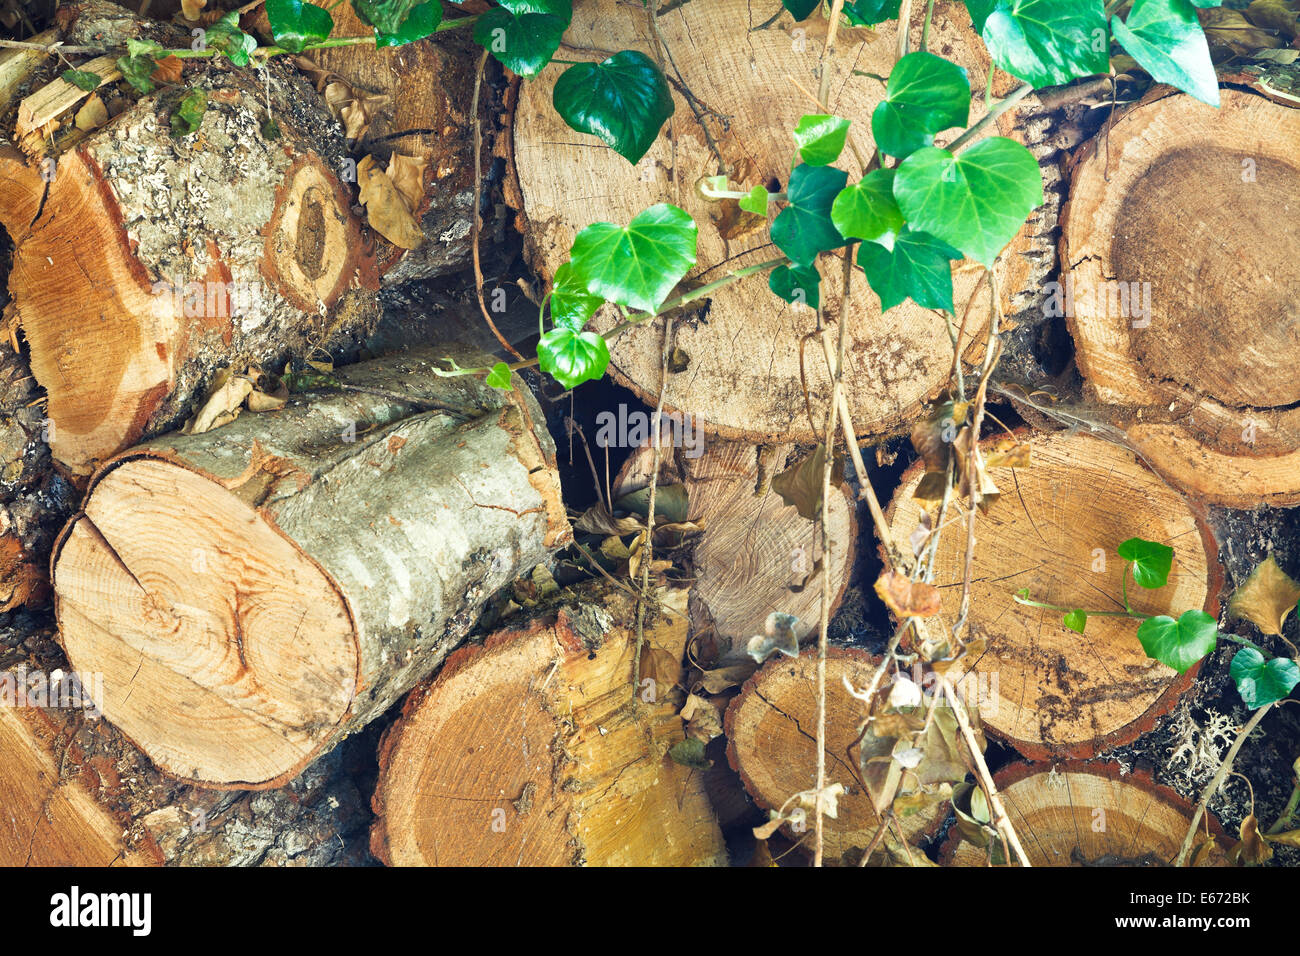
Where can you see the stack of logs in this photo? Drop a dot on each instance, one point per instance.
(244, 602)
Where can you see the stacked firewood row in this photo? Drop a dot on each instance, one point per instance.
(239, 601)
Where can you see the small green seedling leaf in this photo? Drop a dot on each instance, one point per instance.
(804, 227)
(622, 101)
(226, 37)
(572, 358)
(294, 24)
(914, 265)
(1179, 644)
(1151, 561)
(797, 285)
(976, 201)
(1076, 620)
(756, 201)
(523, 44)
(1261, 681)
(572, 306)
(83, 79)
(422, 22)
(386, 16)
(820, 138)
(867, 210)
(499, 377)
(137, 67)
(639, 264)
(926, 95)
(1167, 41)
(188, 115)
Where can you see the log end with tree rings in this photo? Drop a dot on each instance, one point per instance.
(742, 356)
(1047, 690)
(1182, 295)
(273, 584)
(1091, 814)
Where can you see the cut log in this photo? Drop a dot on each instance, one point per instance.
(1089, 814)
(771, 742)
(1180, 212)
(536, 749)
(76, 793)
(419, 97)
(149, 260)
(742, 360)
(273, 585)
(1045, 689)
(17, 65)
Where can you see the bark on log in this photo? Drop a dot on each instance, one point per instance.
(315, 562)
(428, 88)
(147, 260)
(1042, 687)
(535, 748)
(743, 377)
(771, 743)
(1082, 814)
(1178, 209)
(77, 793)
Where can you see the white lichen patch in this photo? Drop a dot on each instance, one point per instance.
(1197, 750)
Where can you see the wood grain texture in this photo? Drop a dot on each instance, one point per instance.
(537, 731)
(1045, 689)
(1080, 814)
(1190, 205)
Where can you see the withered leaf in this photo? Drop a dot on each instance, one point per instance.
(1252, 849)
(800, 485)
(907, 598)
(386, 210)
(222, 403)
(1265, 597)
(168, 69)
(92, 115)
(703, 722)
(1006, 452)
(717, 680)
(407, 174)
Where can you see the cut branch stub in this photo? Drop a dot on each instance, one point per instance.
(255, 593)
(1080, 814)
(536, 749)
(771, 742)
(142, 261)
(1181, 293)
(742, 360)
(1047, 690)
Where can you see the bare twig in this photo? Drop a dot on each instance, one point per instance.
(837, 11)
(1217, 781)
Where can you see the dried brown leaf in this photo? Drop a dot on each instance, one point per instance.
(93, 114)
(907, 598)
(1265, 597)
(385, 209)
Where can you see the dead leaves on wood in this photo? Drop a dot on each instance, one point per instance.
(946, 442)
(353, 108)
(905, 597)
(800, 485)
(389, 210)
(1266, 597)
(230, 394)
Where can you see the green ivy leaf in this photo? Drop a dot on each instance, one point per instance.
(188, 116)
(801, 9)
(226, 37)
(499, 377)
(422, 22)
(976, 201)
(756, 201)
(926, 94)
(915, 265)
(1179, 644)
(572, 306)
(636, 265)
(1046, 42)
(83, 79)
(1076, 620)
(867, 13)
(1167, 41)
(294, 24)
(572, 357)
(622, 101)
(798, 285)
(867, 209)
(820, 138)
(804, 227)
(1151, 561)
(149, 48)
(523, 44)
(136, 71)
(1261, 681)
(386, 16)
(559, 8)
